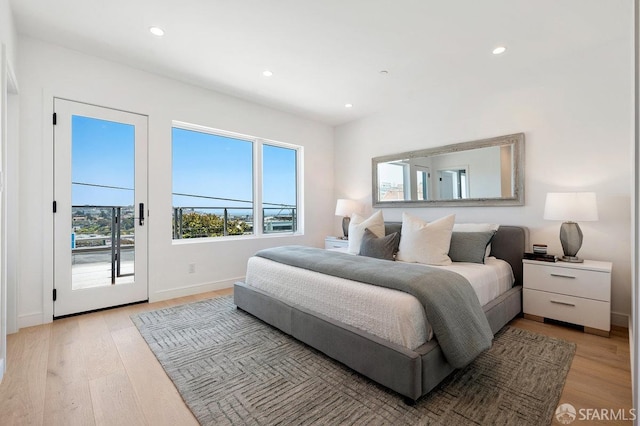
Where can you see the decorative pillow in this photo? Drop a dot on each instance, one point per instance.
(424, 242)
(469, 246)
(358, 224)
(379, 247)
(477, 227)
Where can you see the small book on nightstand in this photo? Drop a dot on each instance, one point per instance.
(541, 257)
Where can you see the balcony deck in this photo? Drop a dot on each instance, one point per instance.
(93, 269)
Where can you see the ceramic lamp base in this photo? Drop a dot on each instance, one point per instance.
(345, 226)
(571, 240)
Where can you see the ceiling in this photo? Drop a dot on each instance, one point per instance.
(326, 53)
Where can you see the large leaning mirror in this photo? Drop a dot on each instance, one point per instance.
(487, 172)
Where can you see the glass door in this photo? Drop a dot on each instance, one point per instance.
(100, 186)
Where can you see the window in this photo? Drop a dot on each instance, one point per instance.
(392, 178)
(279, 189)
(215, 176)
(422, 179)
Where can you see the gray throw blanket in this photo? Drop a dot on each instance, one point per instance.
(450, 302)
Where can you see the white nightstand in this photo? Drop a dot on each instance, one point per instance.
(335, 242)
(577, 293)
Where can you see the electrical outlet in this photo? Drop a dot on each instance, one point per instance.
(192, 268)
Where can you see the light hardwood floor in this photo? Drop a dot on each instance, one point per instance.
(97, 369)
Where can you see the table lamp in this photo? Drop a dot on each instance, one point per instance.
(571, 207)
(346, 208)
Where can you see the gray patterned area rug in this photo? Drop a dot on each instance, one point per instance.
(232, 368)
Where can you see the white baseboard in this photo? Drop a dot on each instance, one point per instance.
(192, 289)
(29, 320)
(621, 320)
(2, 367)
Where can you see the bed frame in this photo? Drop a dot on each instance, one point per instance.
(411, 373)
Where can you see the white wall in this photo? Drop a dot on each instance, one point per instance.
(576, 113)
(8, 34)
(7, 60)
(47, 70)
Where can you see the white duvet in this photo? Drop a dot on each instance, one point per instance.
(389, 314)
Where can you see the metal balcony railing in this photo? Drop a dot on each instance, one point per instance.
(108, 222)
(200, 222)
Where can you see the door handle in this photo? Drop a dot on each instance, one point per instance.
(141, 214)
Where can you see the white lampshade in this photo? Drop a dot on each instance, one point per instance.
(571, 206)
(346, 208)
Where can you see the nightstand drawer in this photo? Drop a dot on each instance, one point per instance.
(572, 282)
(576, 310)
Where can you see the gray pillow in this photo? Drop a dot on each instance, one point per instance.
(469, 246)
(381, 248)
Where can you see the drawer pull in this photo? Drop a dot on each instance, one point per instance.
(558, 302)
(562, 276)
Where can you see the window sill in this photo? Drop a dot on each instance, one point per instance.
(187, 241)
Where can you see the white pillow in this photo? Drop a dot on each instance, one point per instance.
(423, 242)
(477, 227)
(375, 224)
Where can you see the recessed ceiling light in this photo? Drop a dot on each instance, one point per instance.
(499, 50)
(384, 72)
(348, 105)
(156, 31)
(267, 73)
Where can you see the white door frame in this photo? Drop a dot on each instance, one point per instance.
(121, 294)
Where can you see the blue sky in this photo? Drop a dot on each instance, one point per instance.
(218, 166)
(102, 153)
(278, 175)
(203, 165)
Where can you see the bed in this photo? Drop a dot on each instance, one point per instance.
(412, 362)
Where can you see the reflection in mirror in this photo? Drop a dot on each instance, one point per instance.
(484, 172)
(452, 184)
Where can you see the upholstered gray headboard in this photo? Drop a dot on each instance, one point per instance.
(509, 244)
